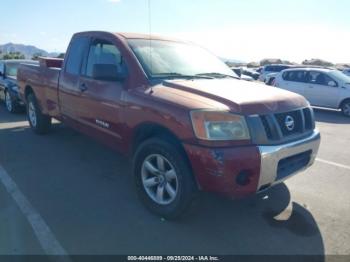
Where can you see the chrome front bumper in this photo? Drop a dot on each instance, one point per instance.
(272, 155)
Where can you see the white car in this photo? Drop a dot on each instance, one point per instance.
(268, 69)
(269, 79)
(322, 87)
(346, 71)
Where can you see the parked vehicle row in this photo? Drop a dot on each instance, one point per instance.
(271, 71)
(347, 71)
(181, 114)
(8, 84)
(321, 87)
(238, 71)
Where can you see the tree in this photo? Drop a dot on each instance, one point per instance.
(36, 56)
(61, 55)
(269, 61)
(13, 55)
(317, 62)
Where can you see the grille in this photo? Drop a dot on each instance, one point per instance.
(277, 130)
(298, 122)
(266, 127)
(292, 164)
(309, 123)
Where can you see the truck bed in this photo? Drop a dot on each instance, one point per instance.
(42, 78)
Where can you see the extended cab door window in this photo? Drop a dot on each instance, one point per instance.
(75, 55)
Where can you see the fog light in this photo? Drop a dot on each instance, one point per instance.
(243, 178)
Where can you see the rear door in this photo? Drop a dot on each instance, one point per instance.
(100, 101)
(69, 88)
(319, 92)
(294, 81)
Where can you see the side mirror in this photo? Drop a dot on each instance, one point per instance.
(108, 72)
(332, 83)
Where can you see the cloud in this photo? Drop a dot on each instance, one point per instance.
(114, 1)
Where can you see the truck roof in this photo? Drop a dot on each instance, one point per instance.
(128, 35)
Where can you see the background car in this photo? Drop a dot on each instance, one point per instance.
(252, 73)
(272, 70)
(270, 79)
(322, 87)
(241, 74)
(346, 71)
(8, 83)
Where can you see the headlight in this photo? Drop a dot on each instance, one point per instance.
(219, 125)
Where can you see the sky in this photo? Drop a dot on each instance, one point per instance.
(246, 30)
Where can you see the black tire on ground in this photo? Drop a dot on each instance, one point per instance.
(271, 81)
(345, 108)
(186, 187)
(11, 105)
(39, 122)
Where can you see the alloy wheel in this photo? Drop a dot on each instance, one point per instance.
(159, 179)
(32, 114)
(8, 102)
(346, 109)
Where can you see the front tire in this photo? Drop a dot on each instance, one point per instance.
(39, 122)
(164, 181)
(345, 108)
(11, 105)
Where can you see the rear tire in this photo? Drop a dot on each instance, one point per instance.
(164, 181)
(345, 108)
(39, 122)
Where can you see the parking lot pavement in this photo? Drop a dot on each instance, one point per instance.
(16, 235)
(84, 193)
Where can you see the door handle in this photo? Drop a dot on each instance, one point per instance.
(83, 87)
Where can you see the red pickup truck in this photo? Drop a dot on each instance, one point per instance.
(182, 115)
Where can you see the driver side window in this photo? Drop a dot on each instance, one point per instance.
(102, 52)
(319, 78)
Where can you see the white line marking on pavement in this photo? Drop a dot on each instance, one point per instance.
(46, 238)
(333, 163)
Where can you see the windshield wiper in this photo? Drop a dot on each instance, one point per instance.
(217, 75)
(179, 75)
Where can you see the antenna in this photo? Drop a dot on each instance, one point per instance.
(150, 33)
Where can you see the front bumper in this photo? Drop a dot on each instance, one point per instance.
(242, 171)
(283, 161)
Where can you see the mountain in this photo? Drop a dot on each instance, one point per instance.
(27, 50)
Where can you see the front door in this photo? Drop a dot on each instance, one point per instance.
(319, 90)
(100, 99)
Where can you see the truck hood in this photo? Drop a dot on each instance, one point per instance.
(239, 96)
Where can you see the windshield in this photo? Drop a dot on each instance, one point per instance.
(340, 75)
(161, 58)
(11, 70)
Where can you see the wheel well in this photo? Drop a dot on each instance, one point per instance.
(147, 131)
(342, 102)
(28, 90)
